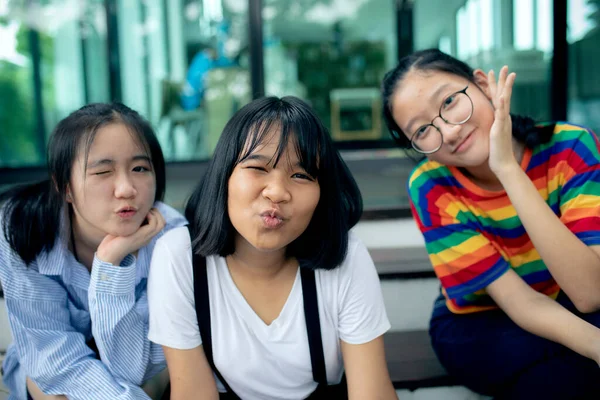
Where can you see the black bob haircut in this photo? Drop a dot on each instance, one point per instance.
(324, 243)
(31, 214)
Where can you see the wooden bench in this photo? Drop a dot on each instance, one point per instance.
(412, 363)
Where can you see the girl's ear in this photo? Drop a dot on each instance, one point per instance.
(68, 195)
(481, 79)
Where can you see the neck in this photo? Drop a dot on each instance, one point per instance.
(483, 175)
(83, 245)
(257, 265)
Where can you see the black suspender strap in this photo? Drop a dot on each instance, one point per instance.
(311, 315)
(313, 325)
(203, 315)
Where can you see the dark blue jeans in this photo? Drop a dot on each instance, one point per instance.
(488, 353)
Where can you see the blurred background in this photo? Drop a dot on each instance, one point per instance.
(188, 65)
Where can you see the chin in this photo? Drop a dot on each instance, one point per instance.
(267, 247)
(123, 230)
(472, 163)
(471, 159)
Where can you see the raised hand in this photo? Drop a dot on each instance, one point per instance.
(113, 249)
(501, 144)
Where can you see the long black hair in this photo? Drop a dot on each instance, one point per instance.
(31, 214)
(524, 128)
(324, 242)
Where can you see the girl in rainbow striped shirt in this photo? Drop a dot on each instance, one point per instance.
(510, 213)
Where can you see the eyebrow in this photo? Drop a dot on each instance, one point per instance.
(434, 95)
(108, 161)
(265, 159)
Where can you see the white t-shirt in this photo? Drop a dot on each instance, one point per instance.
(262, 361)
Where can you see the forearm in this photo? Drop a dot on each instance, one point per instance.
(120, 332)
(546, 318)
(366, 371)
(85, 380)
(69, 366)
(190, 374)
(574, 266)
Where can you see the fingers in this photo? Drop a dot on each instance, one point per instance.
(500, 109)
(492, 84)
(508, 87)
(501, 91)
(502, 79)
(145, 233)
(113, 249)
(160, 220)
(156, 223)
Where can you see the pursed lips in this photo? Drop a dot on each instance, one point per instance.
(126, 209)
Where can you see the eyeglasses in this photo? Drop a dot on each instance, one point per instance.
(456, 109)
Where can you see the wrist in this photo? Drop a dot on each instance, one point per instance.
(108, 258)
(111, 279)
(507, 171)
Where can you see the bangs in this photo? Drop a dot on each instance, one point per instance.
(136, 134)
(289, 124)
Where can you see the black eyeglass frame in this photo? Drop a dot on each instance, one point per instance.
(463, 91)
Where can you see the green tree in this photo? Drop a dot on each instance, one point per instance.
(17, 143)
(18, 125)
(17, 117)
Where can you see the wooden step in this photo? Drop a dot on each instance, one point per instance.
(402, 263)
(412, 363)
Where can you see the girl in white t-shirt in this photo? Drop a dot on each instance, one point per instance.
(278, 298)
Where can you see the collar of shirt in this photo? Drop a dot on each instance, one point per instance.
(54, 261)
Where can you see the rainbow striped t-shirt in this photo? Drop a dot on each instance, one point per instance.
(473, 236)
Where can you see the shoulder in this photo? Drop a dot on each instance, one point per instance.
(173, 218)
(10, 261)
(356, 250)
(40, 280)
(357, 254)
(7, 257)
(176, 240)
(427, 173)
(172, 258)
(562, 127)
(569, 142)
(354, 243)
(426, 177)
(565, 134)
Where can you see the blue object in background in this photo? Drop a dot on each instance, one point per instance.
(193, 89)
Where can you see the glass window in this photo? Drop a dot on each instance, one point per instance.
(73, 57)
(584, 55)
(183, 64)
(524, 26)
(193, 62)
(21, 144)
(486, 29)
(333, 54)
(492, 33)
(52, 61)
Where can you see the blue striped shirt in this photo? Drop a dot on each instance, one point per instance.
(55, 306)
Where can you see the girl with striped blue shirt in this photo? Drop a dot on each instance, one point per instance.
(74, 259)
